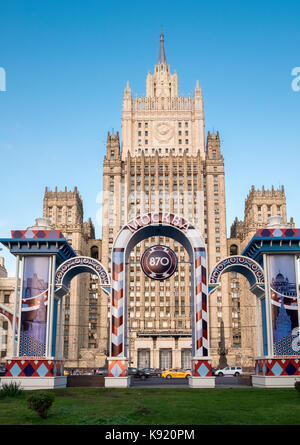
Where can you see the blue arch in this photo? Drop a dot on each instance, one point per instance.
(240, 264)
(77, 265)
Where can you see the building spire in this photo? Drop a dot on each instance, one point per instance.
(162, 55)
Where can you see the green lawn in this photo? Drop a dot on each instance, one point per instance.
(159, 406)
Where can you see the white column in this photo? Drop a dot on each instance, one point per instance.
(258, 326)
(49, 327)
(268, 307)
(59, 337)
(16, 296)
(19, 306)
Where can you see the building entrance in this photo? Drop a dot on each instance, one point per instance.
(143, 358)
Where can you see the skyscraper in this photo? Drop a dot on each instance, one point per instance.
(163, 163)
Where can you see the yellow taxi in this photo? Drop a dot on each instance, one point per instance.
(176, 373)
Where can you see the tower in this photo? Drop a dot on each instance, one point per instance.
(162, 162)
(65, 210)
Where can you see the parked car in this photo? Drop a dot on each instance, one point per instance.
(103, 370)
(177, 373)
(2, 370)
(229, 370)
(137, 373)
(152, 371)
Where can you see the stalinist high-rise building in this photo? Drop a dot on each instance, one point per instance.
(164, 160)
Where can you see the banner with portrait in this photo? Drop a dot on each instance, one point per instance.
(284, 304)
(34, 306)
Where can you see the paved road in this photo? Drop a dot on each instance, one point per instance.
(159, 381)
(227, 380)
(224, 381)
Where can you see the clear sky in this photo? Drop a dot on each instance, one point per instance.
(67, 63)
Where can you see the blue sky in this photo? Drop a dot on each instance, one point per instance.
(67, 63)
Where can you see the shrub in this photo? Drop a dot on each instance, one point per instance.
(41, 403)
(11, 389)
(297, 386)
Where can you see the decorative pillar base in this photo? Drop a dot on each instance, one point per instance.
(28, 383)
(117, 367)
(260, 381)
(34, 367)
(201, 382)
(117, 382)
(276, 372)
(35, 372)
(202, 375)
(201, 367)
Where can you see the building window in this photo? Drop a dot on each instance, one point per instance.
(233, 249)
(94, 252)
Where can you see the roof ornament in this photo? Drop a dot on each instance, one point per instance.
(162, 55)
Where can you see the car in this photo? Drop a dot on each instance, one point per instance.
(152, 371)
(176, 373)
(2, 370)
(137, 373)
(103, 370)
(229, 370)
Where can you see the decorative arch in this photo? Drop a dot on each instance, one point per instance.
(80, 264)
(136, 230)
(240, 264)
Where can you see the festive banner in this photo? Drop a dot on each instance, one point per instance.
(284, 305)
(34, 306)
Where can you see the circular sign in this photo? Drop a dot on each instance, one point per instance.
(159, 262)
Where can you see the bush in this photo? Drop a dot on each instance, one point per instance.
(11, 389)
(41, 403)
(297, 386)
